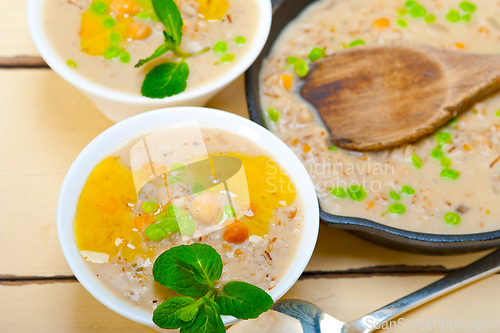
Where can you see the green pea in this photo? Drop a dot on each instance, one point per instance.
(339, 192)
(357, 42)
(125, 57)
(403, 11)
(170, 225)
(301, 68)
(198, 187)
(497, 113)
(356, 193)
(71, 63)
(397, 208)
(240, 40)
(402, 23)
(468, 6)
(437, 153)
(450, 174)
(394, 195)
(228, 57)
(417, 162)
(452, 218)
(187, 226)
(109, 22)
(229, 211)
(333, 148)
(410, 3)
(273, 114)
(316, 53)
(178, 167)
(292, 60)
(114, 37)
(418, 11)
(112, 52)
(445, 162)
(430, 18)
(220, 47)
(466, 18)
(149, 207)
(408, 190)
(453, 16)
(176, 179)
(443, 137)
(98, 8)
(171, 211)
(155, 232)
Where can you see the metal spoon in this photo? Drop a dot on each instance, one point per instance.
(314, 320)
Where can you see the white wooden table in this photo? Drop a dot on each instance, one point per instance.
(45, 123)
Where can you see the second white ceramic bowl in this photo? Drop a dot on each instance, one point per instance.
(116, 105)
(111, 139)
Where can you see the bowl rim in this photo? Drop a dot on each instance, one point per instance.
(111, 139)
(35, 10)
(420, 240)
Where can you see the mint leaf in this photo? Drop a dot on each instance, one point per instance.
(243, 300)
(166, 80)
(205, 260)
(208, 319)
(188, 313)
(169, 14)
(166, 315)
(161, 50)
(170, 272)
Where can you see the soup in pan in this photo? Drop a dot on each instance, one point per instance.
(447, 183)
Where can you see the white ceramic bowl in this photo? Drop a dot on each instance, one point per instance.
(116, 105)
(112, 138)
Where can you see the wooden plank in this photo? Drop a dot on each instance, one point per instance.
(67, 307)
(15, 37)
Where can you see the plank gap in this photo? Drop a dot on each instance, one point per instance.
(24, 280)
(22, 62)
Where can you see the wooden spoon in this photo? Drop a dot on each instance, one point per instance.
(371, 98)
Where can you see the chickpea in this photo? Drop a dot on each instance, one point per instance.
(206, 209)
(236, 232)
(138, 30)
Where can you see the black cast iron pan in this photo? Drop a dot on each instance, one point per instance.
(285, 11)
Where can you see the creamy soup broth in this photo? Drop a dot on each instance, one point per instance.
(63, 26)
(275, 224)
(474, 148)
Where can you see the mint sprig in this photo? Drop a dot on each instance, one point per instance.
(176, 73)
(191, 270)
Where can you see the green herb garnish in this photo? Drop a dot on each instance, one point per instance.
(192, 270)
(167, 79)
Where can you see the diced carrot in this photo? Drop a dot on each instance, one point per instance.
(381, 23)
(459, 46)
(236, 232)
(138, 30)
(287, 81)
(142, 221)
(294, 142)
(466, 147)
(306, 148)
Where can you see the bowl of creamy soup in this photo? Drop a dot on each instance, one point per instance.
(439, 194)
(179, 177)
(131, 56)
